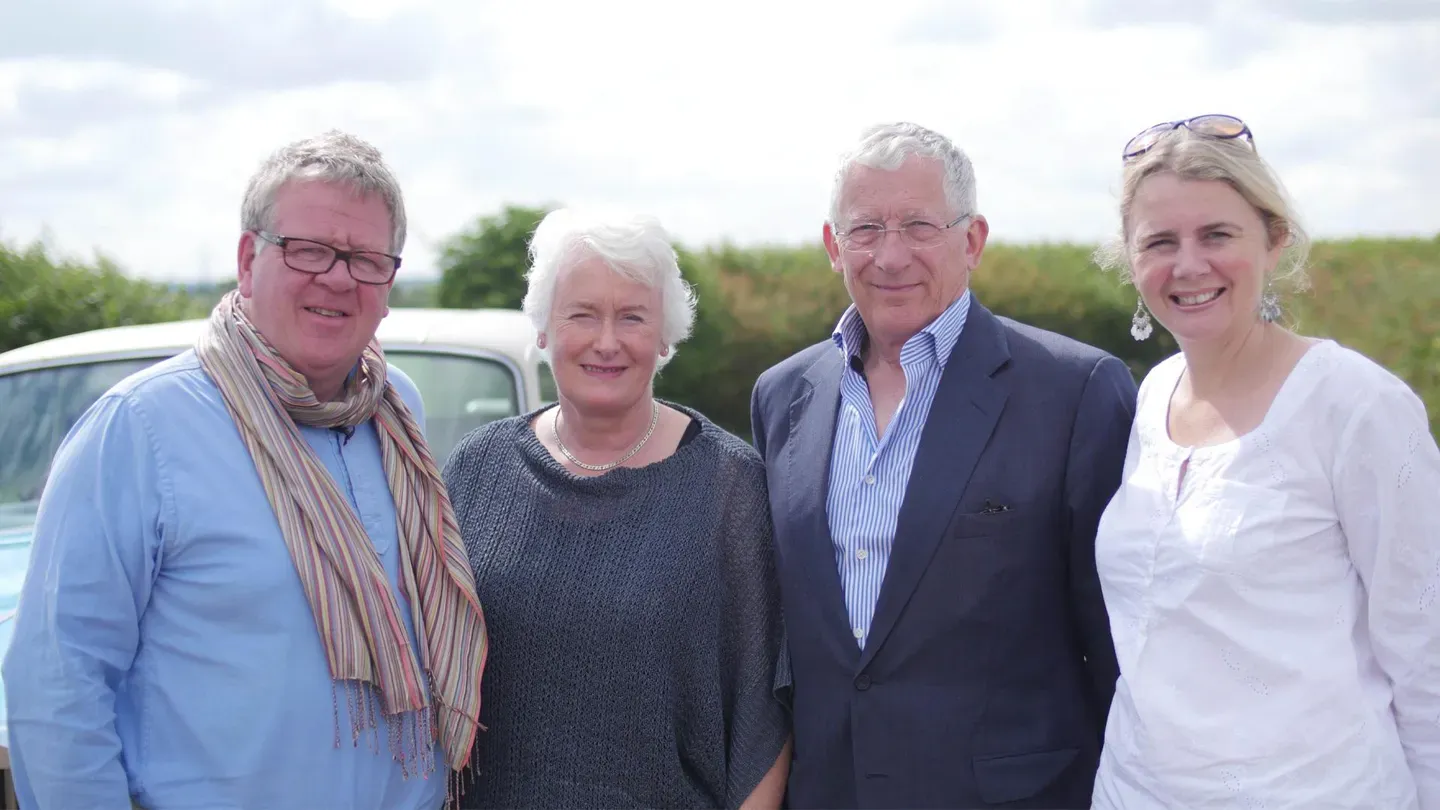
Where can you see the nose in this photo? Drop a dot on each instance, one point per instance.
(606, 342)
(892, 254)
(1189, 262)
(338, 277)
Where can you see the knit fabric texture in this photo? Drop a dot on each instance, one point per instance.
(634, 619)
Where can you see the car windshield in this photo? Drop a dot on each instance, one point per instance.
(38, 407)
(460, 393)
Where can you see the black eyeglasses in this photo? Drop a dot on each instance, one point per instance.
(1222, 127)
(316, 258)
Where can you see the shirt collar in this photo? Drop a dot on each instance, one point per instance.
(937, 338)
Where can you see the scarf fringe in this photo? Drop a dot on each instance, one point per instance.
(412, 735)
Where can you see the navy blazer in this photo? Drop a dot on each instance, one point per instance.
(989, 670)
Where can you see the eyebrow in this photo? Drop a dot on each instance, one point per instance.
(1206, 228)
(325, 240)
(904, 215)
(1213, 226)
(592, 306)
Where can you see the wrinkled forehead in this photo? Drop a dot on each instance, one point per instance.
(325, 210)
(915, 188)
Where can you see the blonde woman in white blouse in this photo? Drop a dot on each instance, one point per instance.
(1271, 561)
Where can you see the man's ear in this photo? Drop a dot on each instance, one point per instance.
(832, 247)
(245, 262)
(975, 236)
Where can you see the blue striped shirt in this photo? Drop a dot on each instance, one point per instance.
(869, 473)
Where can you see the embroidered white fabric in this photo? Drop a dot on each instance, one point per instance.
(1276, 612)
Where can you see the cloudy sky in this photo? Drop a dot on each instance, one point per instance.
(130, 127)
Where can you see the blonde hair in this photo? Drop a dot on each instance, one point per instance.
(1233, 161)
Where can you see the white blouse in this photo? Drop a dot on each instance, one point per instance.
(1276, 611)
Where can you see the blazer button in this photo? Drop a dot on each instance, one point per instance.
(862, 683)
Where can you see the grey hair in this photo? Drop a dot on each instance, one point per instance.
(634, 246)
(334, 157)
(887, 146)
(1232, 161)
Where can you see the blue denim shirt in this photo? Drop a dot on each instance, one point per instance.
(164, 648)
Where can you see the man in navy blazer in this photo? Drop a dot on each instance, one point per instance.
(936, 477)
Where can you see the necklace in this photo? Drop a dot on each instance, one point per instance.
(555, 430)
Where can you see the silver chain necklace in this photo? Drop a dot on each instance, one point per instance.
(555, 430)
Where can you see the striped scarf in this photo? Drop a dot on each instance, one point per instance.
(350, 596)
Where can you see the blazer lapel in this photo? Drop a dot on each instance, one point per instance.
(812, 426)
(967, 405)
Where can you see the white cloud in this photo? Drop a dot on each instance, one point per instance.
(724, 120)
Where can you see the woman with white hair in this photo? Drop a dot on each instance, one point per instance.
(622, 548)
(1271, 561)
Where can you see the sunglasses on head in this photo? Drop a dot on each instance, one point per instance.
(1222, 127)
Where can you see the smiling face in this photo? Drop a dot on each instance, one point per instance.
(604, 336)
(1200, 254)
(898, 289)
(318, 323)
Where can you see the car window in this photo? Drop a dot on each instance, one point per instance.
(39, 408)
(460, 394)
(548, 391)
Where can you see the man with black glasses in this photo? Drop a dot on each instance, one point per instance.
(247, 588)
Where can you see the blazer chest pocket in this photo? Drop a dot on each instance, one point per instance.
(987, 524)
(985, 562)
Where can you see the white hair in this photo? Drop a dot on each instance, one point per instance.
(334, 157)
(634, 246)
(887, 146)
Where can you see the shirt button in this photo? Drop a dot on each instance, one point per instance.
(869, 479)
(862, 554)
(859, 632)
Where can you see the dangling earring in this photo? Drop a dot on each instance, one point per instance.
(1140, 326)
(540, 340)
(1270, 303)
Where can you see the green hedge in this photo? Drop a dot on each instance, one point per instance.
(42, 296)
(1380, 297)
(759, 305)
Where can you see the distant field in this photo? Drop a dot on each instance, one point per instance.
(759, 304)
(1378, 296)
(1381, 297)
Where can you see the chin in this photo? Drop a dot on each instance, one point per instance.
(590, 395)
(1196, 331)
(339, 355)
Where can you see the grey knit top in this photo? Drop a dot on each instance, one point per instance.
(634, 621)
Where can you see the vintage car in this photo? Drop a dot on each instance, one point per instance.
(471, 366)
